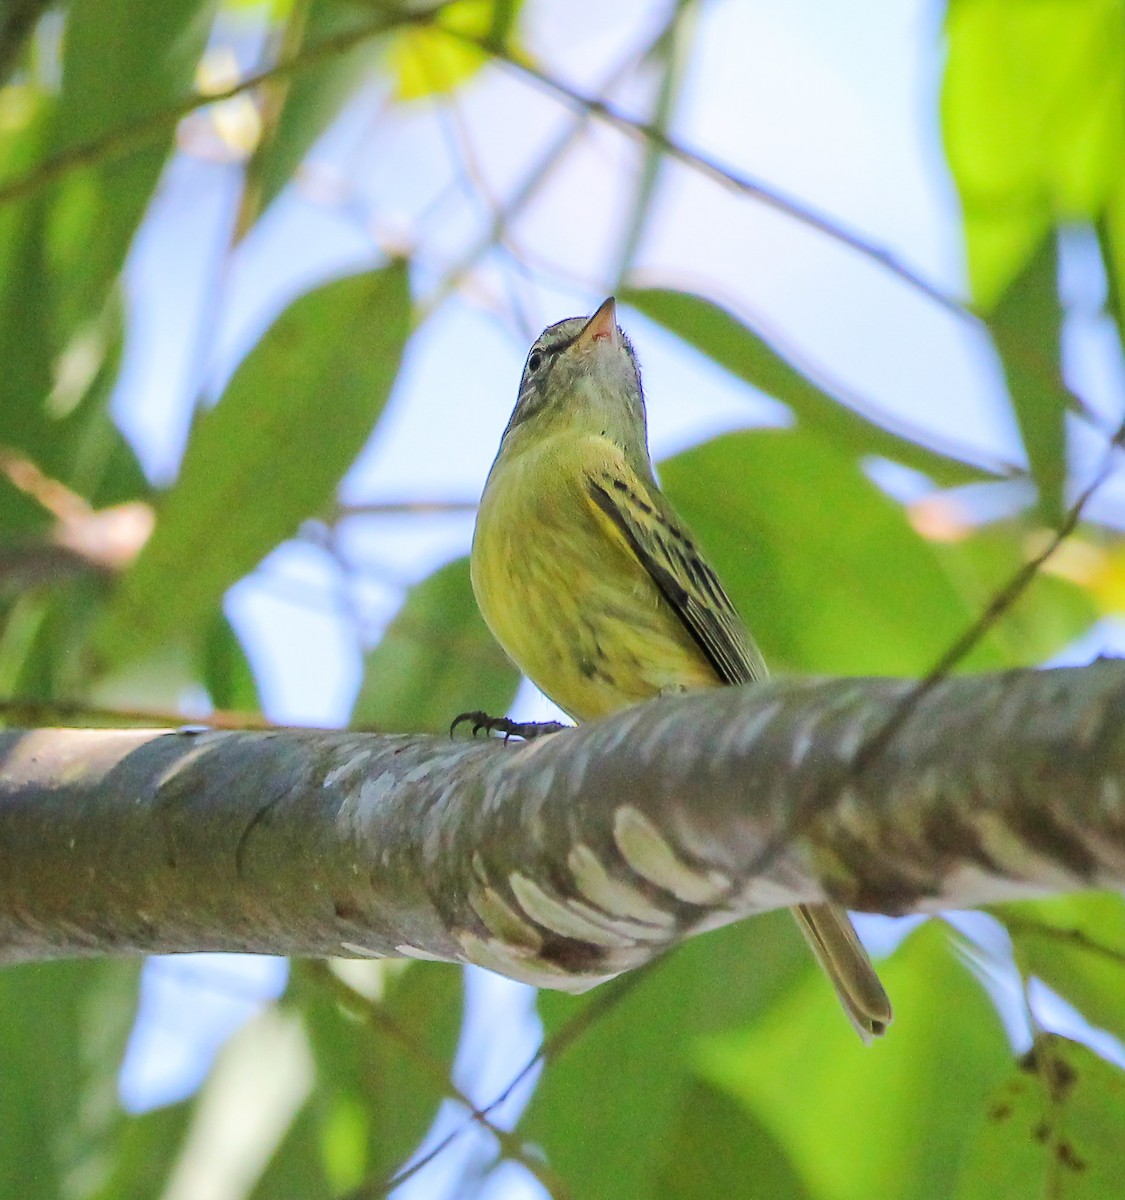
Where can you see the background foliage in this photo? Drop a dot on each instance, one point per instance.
(724, 1070)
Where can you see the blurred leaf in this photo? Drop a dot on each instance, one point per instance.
(825, 568)
(425, 61)
(25, 300)
(627, 1082)
(742, 970)
(1110, 230)
(63, 1029)
(890, 1119)
(17, 21)
(313, 97)
(1053, 1129)
(435, 660)
(718, 1151)
(1032, 113)
(293, 418)
(1106, 581)
(381, 1080)
(732, 344)
(635, 1053)
(1076, 945)
(83, 447)
(53, 664)
(1026, 326)
(123, 60)
(226, 671)
(296, 1167)
(145, 1152)
(1051, 613)
(62, 249)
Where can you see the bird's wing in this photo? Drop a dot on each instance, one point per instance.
(668, 552)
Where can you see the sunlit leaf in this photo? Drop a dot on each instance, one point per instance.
(749, 355)
(890, 1119)
(427, 61)
(1053, 1129)
(270, 454)
(436, 660)
(1032, 110)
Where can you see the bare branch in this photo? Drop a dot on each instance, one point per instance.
(570, 859)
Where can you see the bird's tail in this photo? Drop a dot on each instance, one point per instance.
(830, 933)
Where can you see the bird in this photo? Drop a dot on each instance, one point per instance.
(599, 592)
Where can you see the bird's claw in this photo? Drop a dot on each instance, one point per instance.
(527, 730)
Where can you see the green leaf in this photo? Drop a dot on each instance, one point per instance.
(1053, 1129)
(436, 660)
(123, 60)
(63, 1029)
(296, 1167)
(427, 61)
(1031, 114)
(635, 1053)
(749, 355)
(890, 1119)
(145, 1153)
(25, 302)
(1026, 326)
(380, 1079)
(226, 671)
(826, 569)
(718, 1151)
(270, 454)
(62, 249)
(636, 1043)
(1076, 945)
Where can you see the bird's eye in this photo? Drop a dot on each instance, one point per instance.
(535, 361)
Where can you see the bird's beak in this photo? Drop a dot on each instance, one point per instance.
(601, 327)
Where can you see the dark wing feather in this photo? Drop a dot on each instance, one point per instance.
(668, 552)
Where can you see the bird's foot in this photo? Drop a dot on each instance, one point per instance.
(481, 721)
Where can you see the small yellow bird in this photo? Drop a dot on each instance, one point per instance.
(599, 593)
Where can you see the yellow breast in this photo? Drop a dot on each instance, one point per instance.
(564, 594)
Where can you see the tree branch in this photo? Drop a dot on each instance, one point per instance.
(567, 860)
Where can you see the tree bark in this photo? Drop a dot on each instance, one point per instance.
(569, 859)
